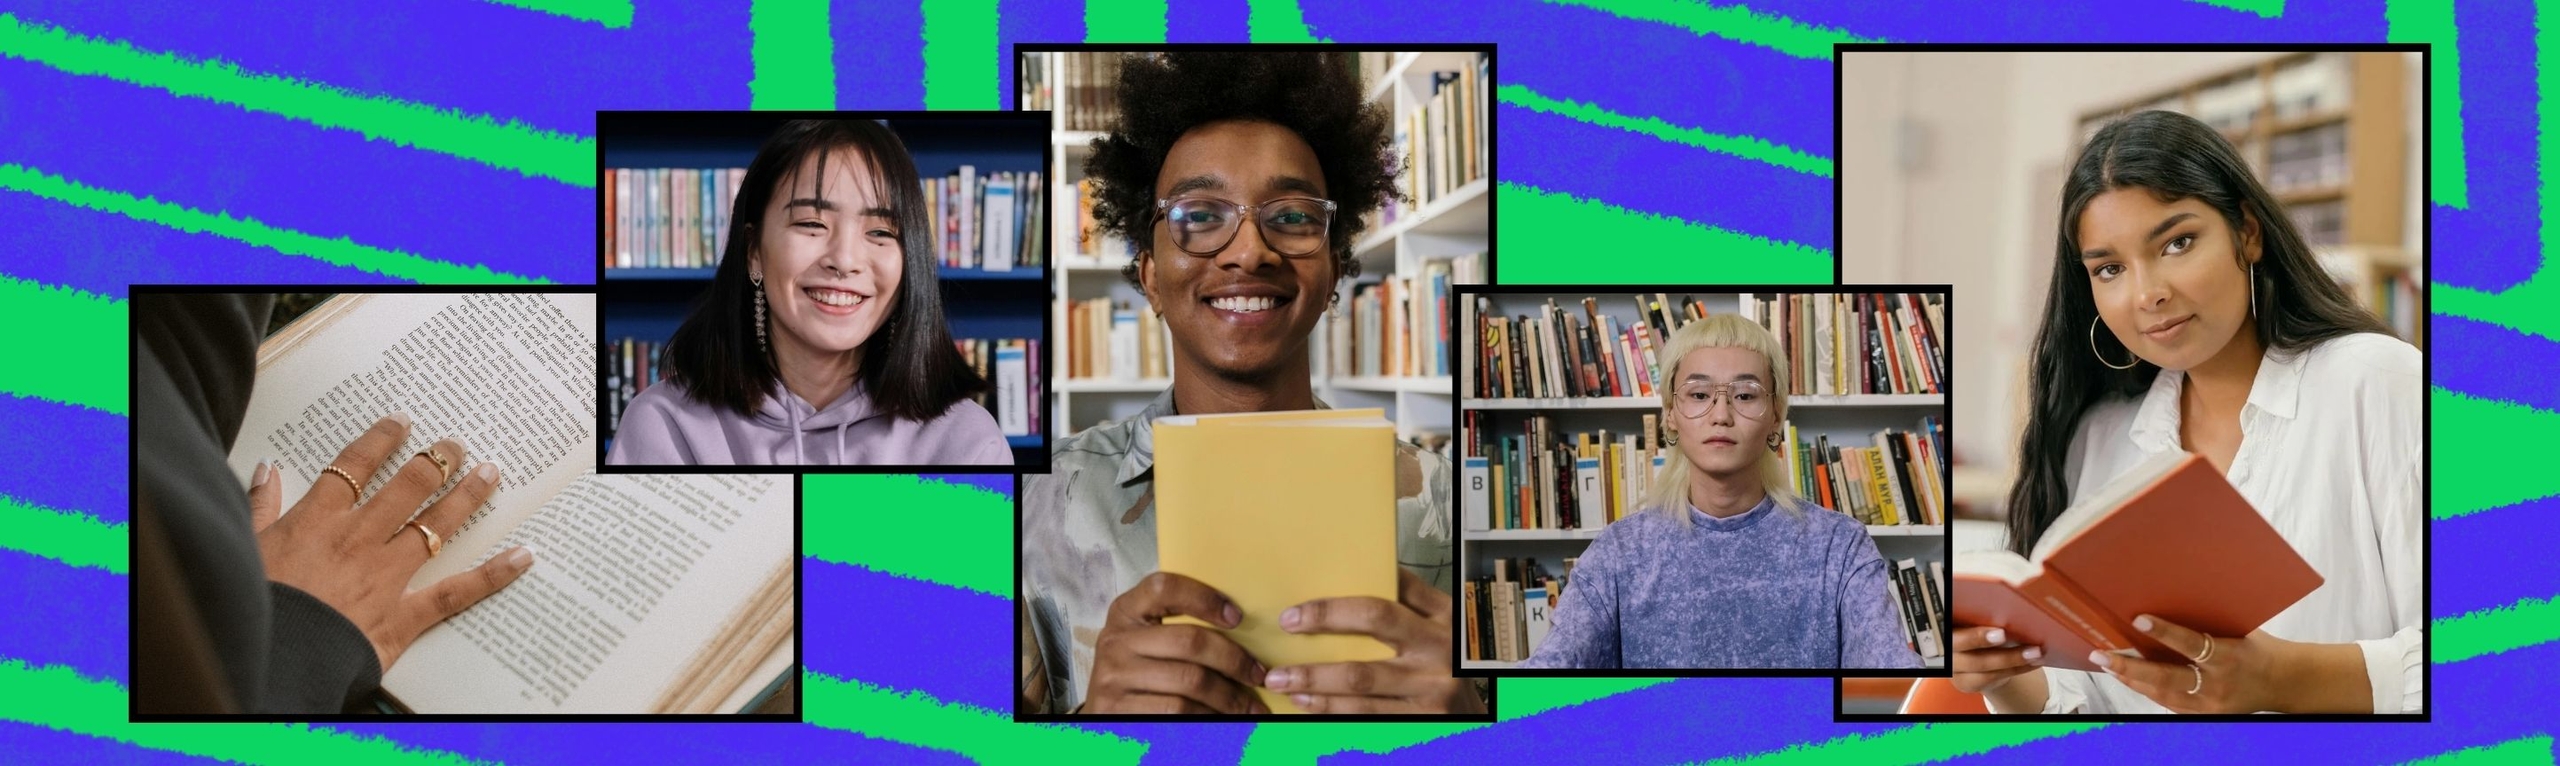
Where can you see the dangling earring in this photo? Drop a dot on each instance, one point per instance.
(2102, 358)
(755, 283)
(2253, 291)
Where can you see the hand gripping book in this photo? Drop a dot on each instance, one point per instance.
(2170, 537)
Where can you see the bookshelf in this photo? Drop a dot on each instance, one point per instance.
(647, 304)
(1842, 418)
(2327, 133)
(1454, 227)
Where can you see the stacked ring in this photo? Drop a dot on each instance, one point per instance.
(443, 469)
(354, 487)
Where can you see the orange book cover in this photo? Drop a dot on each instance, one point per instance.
(2170, 538)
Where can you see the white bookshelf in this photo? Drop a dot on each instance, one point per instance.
(1457, 224)
(1849, 420)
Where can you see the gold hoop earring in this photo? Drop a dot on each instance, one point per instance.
(2102, 358)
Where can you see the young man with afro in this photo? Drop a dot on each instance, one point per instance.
(1243, 178)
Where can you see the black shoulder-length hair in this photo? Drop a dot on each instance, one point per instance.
(910, 368)
(1313, 94)
(2174, 157)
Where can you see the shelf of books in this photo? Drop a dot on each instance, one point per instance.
(2328, 134)
(1561, 434)
(668, 183)
(1385, 344)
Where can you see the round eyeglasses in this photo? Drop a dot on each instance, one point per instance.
(1749, 399)
(1294, 227)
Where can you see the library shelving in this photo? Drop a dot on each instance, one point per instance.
(1446, 237)
(1821, 410)
(2327, 134)
(644, 304)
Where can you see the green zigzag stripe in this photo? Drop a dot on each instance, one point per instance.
(2496, 629)
(917, 718)
(1125, 21)
(73, 538)
(794, 55)
(1745, 147)
(511, 145)
(2476, 475)
(1731, 22)
(2527, 751)
(57, 697)
(2431, 21)
(1578, 241)
(1279, 21)
(340, 251)
(82, 351)
(842, 518)
(2268, 9)
(613, 14)
(1521, 698)
(961, 54)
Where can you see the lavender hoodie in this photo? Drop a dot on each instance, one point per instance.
(664, 426)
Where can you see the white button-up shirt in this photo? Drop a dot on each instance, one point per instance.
(2332, 454)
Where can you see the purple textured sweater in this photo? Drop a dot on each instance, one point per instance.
(1769, 588)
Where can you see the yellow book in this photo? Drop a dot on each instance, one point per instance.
(1275, 509)
(1876, 477)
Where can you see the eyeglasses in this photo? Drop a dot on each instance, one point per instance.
(1749, 399)
(1294, 227)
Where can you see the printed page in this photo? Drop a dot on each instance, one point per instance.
(633, 576)
(511, 375)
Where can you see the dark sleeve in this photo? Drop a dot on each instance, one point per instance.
(279, 649)
(319, 661)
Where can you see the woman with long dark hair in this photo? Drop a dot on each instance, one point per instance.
(2186, 313)
(821, 340)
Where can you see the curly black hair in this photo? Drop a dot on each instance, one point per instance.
(1315, 95)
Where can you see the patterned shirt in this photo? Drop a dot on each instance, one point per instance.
(1089, 534)
(1770, 588)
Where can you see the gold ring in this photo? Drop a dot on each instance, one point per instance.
(443, 469)
(435, 544)
(354, 488)
(2199, 669)
(2208, 650)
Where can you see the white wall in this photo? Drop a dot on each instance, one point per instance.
(1938, 156)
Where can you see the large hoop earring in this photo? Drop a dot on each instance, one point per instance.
(2102, 358)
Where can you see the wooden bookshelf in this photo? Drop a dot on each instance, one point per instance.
(1845, 419)
(2327, 134)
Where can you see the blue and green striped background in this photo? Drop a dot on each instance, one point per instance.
(451, 141)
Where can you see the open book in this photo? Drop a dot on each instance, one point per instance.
(2170, 538)
(648, 593)
(1275, 509)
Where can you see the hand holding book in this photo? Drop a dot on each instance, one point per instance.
(1417, 625)
(359, 557)
(1141, 665)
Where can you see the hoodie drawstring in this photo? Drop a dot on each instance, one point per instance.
(797, 457)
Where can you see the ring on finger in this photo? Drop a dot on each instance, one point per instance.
(2208, 650)
(444, 469)
(2199, 669)
(354, 488)
(435, 543)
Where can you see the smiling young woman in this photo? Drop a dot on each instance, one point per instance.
(2186, 313)
(822, 339)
